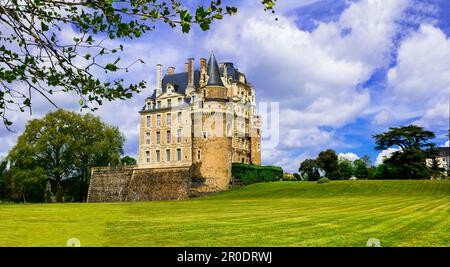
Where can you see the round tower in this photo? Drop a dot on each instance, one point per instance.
(212, 143)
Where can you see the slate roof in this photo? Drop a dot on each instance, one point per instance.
(180, 80)
(213, 72)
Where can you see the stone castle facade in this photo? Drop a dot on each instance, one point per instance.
(197, 122)
(204, 118)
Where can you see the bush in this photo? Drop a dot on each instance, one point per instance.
(289, 177)
(323, 180)
(250, 174)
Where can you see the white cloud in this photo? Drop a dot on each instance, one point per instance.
(419, 85)
(348, 156)
(385, 154)
(315, 75)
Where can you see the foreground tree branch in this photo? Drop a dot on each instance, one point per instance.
(34, 59)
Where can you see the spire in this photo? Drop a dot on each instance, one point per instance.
(213, 72)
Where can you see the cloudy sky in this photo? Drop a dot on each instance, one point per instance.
(340, 70)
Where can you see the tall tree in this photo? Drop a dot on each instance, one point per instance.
(328, 161)
(360, 168)
(36, 60)
(346, 169)
(309, 169)
(405, 137)
(3, 165)
(415, 146)
(61, 148)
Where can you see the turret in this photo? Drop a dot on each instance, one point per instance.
(214, 88)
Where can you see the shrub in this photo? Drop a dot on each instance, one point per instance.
(250, 174)
(323, 180)
(289, 177)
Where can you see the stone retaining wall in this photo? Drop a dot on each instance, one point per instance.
(119, 184)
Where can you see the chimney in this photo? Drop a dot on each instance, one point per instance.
(159, 78)
(203, 71)
(170, 70)
(190, 72)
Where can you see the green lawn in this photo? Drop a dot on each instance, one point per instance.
(341, 213)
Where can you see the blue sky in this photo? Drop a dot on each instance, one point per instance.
(340, 70)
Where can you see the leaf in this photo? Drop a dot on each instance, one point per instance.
(44, 27)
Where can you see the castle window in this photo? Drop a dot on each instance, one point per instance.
(205, 135)
(168, 155)
(158, 104)
(193, 98)
(158, 138)
(158, 156)
(179, 118)
(148, 121)
(147, 138)
(179, 154)
(180, 101)
(169, 103)
(199, 155)
(200, 104)
(169, 118)
(158, 120)
(179, 136)
(168, 137)
(147, 156)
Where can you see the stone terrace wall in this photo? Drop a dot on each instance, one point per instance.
(159, 184)
(118, 184)
(109, 184)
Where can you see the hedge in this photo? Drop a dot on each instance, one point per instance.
(250, 174)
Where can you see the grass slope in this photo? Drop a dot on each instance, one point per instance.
(341, 213)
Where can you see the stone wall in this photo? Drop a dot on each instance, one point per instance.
(118, 184)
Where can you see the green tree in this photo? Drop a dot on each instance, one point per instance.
(346, 169)
(309, 169)
(127, 160)
(3, 165)
(415, 146)
(36, 59)
(385, 172)
(405, 137)
(360, 169)
(328, 161)
(61, 148)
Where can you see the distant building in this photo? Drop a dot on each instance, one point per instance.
(443, 159)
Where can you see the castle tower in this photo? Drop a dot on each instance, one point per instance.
(212, 143)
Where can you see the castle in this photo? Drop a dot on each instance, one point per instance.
(194, 125)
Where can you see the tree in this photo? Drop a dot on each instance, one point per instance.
(385, 172)
(405, 137)
(415, 146)
(127, 160)
(328, 161)
(346, 169)
(34, 58)
(61, 148)
(309, 169)
(360, 169)
(3, 165)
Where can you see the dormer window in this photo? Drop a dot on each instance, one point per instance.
(169, 88)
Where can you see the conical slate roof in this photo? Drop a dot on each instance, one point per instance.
(213, 72)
